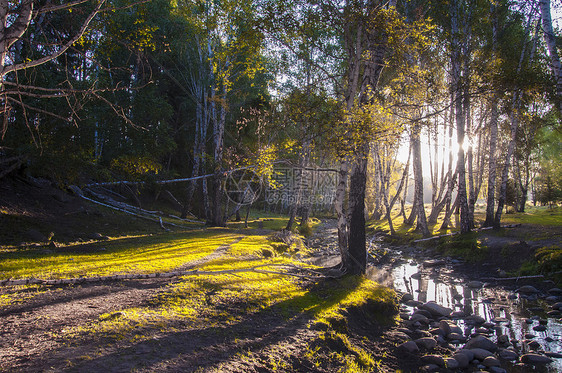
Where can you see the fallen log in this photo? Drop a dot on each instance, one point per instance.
(511, 278)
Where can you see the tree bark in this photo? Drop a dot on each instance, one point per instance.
(460, 117)
(418, 182)
(550, 39)
(343, 227)
(357, 251)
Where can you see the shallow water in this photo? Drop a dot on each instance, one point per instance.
(440, 285)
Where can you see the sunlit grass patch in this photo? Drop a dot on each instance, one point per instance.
(538, 215)
(147, 254)
(20, 294)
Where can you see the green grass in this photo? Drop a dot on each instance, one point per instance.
(468, 246)
(144, 254)
(539, 215)
(222, 295)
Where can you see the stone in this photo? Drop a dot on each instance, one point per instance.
(553, 313)
(430, 368)
(534, 345)
(508, 355)
(445, 327)
(554, 355)
(404, 330)
(433, 263)
(423, 312)
(529, 336)
(413, 303)
(527, 289)
(476, 319)
(475, 284)
(427, 343)
(481, 342)
(483, 330)
(419, 318)
(480, 353)
(539, 328)
(462, 360)
(491, 361)
(469, 354)
(528, 321)
(410, 347)
(488, 325)
(451, 363)
(436, 309)
(535, 359)
(406, 297)
(503, 339)
(456, 337)
(557, 306)
(433, 359)
(555, 291)
(497, 370)
(416, 276)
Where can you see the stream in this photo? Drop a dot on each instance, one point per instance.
(511, 318)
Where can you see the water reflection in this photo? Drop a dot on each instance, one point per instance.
(515, 318)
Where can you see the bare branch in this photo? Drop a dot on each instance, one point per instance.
(64, 47)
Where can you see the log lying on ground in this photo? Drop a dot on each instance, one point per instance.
(511, 278)
(126, 208)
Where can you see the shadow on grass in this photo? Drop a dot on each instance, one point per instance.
(207, 347)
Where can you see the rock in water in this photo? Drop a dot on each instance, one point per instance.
(481, 342)
(508, 355)
(535, 359)
(462, 360)
(480, 353)
(436, 309)
(491, 361)
(406, 297)
(527, 289)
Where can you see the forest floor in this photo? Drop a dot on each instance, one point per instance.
(292, 317)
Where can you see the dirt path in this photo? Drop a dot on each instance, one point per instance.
(32, 330)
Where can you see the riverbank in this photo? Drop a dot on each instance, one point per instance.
(490, 290)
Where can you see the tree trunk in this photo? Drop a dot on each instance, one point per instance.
(494, 115)
(357, 251)
(418, 183)
(459, 115)
(550, 39)
(343, 227)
